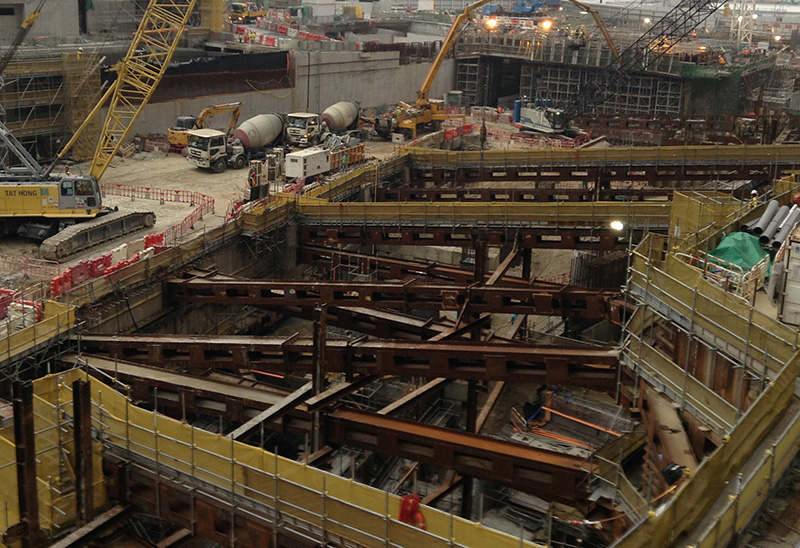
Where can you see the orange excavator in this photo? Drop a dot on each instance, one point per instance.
(407, 119)
(178, 135)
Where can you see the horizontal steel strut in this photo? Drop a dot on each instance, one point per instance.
(593, 367)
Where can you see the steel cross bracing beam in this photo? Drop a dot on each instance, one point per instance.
(329, 231)
(375, 322)
(597, 179)
(568, 302)
(593, 367)
(548, 474)
(183, 393)
(509, 194)
(554, 476)
(390, 268)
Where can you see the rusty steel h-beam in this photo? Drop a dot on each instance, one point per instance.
(391, 268)
(84, 469)
(329, 231)
(591, 367)
(599, 179)
(551, 475)
(27, 530)
(565, 301)
(588, 193)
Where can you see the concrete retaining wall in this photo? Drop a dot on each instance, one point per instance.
(322, 78)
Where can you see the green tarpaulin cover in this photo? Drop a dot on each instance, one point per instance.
(741, 249)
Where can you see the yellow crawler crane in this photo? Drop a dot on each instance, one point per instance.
(40, 205)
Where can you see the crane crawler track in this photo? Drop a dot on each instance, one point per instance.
(82, 236)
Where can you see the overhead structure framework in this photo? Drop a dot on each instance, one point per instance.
(568, 302)
(593, 367)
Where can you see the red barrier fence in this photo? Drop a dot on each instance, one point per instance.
(160, 194)
(38, 269)
(176, 232)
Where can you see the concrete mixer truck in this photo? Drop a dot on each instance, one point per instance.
(212, 149)
(310, 129)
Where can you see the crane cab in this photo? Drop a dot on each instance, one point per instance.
(79, 193)
(38, 209)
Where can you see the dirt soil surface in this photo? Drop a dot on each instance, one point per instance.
(166, 171)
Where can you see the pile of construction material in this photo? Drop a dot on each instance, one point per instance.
(774, 225)
(15, 313)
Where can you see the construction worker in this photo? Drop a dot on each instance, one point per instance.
(345, 161)
(753, 199)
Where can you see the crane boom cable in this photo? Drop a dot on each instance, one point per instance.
(647, 50)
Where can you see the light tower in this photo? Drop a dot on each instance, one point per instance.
(743, 21)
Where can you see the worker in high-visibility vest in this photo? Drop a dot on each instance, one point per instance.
(753, 199)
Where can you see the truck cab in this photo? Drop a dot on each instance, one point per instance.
(245, 12)
(303, 129)
(211, 149)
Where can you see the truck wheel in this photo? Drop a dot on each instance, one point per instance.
(219, 165)
(314, 141)
(238, 162)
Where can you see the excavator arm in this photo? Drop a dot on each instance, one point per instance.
(599, 22)
(447, 45)
(209, 112)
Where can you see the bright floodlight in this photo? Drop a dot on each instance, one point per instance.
(617, 225)
(647, 20)
(546, 24)
(777, 38)
(491, 23)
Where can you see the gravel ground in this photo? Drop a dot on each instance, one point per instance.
(166, 171)
(171, 171)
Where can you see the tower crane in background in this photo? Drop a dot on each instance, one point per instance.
(44, 206)
(407, 118)
(647, 50)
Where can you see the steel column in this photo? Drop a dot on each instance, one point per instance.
(27, 490)
(84, 469)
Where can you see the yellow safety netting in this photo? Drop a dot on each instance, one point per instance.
(351, 509)
(57, 319)
(55, 463)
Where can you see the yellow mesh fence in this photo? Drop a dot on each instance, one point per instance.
(351, 509)
(55, 462)
(695, 216)
(57, 319)
(723, 315)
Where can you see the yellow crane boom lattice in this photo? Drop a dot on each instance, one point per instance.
(140, 72)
